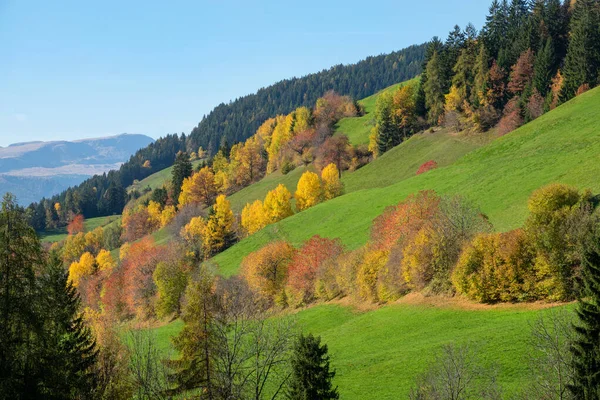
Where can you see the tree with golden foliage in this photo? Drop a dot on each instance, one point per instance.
(154, 214)
(366, 277)
(250, 164)
(254, 217)
(278, 204)
(309, 192)
(105, 261)
(332, 185)
(86, 266)
(199, 188)
(219, 232)
(266, 269)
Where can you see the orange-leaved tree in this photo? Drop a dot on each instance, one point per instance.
(303, 268)
(76, 225)
(266, 269)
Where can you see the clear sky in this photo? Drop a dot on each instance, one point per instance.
(76, 69)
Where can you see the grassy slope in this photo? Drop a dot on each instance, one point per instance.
(157, 179)
(56, 235)
(359, 128)
(378, 354)
(562, 146)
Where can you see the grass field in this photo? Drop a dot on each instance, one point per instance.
(561, 146)
(156, 180)
(359, 128)
(56, 235)
(378, 354)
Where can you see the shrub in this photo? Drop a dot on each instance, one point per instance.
(428, 166)
(366, 277)
(497, 267)
(305, 264)
(266, 270)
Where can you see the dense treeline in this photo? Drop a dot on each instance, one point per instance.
(230, 123)
(105, 194)
(238, 120)
(529, 57)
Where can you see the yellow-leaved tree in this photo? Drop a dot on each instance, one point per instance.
(167, 215)
(198, 188)
(332, 185)
(278, 204)
(154, 214)
(105, 261)
(82, 268)
(254, 217)
(309, 192)
(219, 233)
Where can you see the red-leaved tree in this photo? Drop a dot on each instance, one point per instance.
(305, 263)
(76, 225)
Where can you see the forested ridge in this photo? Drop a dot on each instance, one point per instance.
(228, 123)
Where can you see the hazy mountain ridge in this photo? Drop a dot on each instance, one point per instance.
(33, 170)
(109, 150)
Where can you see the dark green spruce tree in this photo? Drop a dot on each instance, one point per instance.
(20, 326)
(181, 169)
(388, 133)
(583, 55)
(311, 374)
(586, 348)
(69, 348)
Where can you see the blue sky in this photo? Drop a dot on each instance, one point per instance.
(76, 69)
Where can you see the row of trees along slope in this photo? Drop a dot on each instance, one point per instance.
(233, 122)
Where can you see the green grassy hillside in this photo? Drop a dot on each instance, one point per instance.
(156, 180)
(378, 354)
(56, 235)
(561, 146)
(359, 128)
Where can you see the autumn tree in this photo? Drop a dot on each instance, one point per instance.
(332, 185)
(170, 278)
(250, 164)
(84, 267)
(497, 267)
(266, 269)
(336, 150)
(304, 266)
(309, 192)
(512, 117)
(521, 73)
(277, 205)
(254, 217)
(105, 261)
(76, 225)
(196, 342)
(219, 232)
(404, 109)
(199, 188)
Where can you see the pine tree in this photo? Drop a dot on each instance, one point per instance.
(434, 89)
(196, 343)
(479, 95)
(496, 27)
(20, 327)
(70, 351)
(388, 134)
(181, 169)
(311, 375)
(586, 349)
(421, 103)
(543, 68)
(583, 56)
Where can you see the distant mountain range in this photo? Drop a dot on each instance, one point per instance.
(34, 170)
